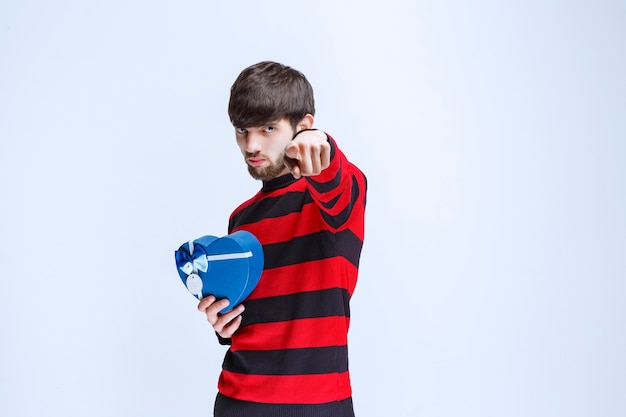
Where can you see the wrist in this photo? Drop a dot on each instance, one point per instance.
(320, 133)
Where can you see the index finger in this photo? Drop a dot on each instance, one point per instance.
(206, 303)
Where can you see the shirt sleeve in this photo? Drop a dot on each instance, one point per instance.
(339, 191)
(223, 340)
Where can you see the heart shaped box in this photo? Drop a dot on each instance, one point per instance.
(227, 267)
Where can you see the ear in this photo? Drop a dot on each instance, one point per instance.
(306, 122)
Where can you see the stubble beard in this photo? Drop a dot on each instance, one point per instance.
(273, 170)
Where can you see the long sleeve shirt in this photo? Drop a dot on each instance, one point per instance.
(291, 349)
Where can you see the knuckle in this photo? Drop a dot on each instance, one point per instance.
(217, 326)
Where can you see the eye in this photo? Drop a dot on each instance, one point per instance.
(241, 130)
(268, 129)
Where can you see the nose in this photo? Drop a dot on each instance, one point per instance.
(253, 143)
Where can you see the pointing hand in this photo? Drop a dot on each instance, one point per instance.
(308, 154)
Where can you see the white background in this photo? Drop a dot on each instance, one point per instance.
(493, 135)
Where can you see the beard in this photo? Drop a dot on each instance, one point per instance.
(273, 170)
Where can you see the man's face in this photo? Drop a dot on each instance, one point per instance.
(263, 148)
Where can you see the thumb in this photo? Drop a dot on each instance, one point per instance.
(291, 151)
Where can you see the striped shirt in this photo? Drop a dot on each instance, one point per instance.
(290, 355)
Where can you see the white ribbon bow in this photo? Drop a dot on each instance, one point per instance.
(201, 263)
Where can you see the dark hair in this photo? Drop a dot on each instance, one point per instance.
(269, 91)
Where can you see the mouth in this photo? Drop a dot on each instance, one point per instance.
(256, 161)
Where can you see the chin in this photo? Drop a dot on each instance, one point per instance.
(265, 173)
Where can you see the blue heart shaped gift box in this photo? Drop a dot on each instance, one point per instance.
(227, 267)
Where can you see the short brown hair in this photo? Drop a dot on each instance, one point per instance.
(269, 91)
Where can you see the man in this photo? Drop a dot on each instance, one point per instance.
(288, 345)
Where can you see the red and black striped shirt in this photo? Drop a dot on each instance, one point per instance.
(290, 355)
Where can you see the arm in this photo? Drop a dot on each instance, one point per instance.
(336, 185)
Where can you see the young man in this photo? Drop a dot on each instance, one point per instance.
(288, 345)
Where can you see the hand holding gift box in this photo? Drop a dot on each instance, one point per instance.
(228, 267)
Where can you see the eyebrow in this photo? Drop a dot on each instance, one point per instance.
(272, 123)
